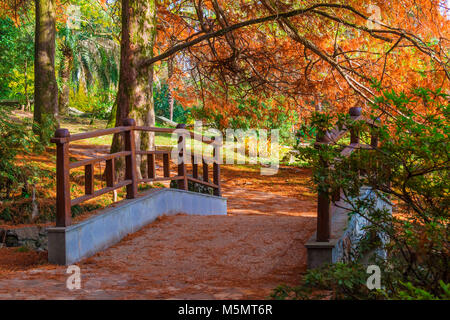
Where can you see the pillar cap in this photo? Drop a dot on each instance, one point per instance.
(129, 122)
(355, 111)
(62, 133)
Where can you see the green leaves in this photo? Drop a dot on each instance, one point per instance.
(16, 140)
(409, 167)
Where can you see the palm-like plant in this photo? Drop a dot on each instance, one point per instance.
(88, 56)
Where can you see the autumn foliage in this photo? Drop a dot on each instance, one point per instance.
(330, 57)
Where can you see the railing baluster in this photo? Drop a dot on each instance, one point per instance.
(166, 165)
(110, 173)
(354, 134)
(194, 168)
(182, 184)
(151, 166)
(63, 214)
(216, 170)
(89, 179)
(205, 171)
(130, 160)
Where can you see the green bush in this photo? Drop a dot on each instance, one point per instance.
(340, 281)
(410, 168)
(161, 102)
(16, 138)
(96, 101)
(252, 114)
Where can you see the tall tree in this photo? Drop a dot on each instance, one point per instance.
(46, 88)
(135, 95)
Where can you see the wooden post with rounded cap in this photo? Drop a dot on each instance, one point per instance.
(63, 214)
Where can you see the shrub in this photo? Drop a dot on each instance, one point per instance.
(410, 168)
(96, 101)
(16, 138)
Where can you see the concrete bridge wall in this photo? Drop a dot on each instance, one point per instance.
(345, 233)
(71, 244)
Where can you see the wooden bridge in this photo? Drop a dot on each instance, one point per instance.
(322, 247)
(69, 243)
(331, 242)
(63, 166)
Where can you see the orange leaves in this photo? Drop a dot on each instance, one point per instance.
(12, 9)
(324, 56)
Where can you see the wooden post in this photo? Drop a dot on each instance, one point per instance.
(166, 165)
(151, 166)
(374, 144)
(63, 214)
(182, 184)
(323, 205)
(216, 169)
(323, 217)
(194, 168)
(354, 134)
(205, 171)
(89, 179)
(130, 160)
(110, 172)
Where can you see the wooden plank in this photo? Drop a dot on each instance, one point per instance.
(153, 152)
(85, 162)
(208, 184)
(192, 135)
(159, 179)
(154, 129)
(89, 135)
(100, 192)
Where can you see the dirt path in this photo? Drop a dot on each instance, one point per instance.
(243, 255)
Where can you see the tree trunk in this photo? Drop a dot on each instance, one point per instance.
(27, 98)
(64, 73)
(135, 94)
(46, 89)
(169, 85)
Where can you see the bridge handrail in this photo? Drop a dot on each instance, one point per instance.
(332, 137)
(62, 139)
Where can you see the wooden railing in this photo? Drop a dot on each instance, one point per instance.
(332, 137)
(62, 139)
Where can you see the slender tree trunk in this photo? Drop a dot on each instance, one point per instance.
(64, 73)
(135, 94)
(46, 89)
(27, 98)
(169, 84)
